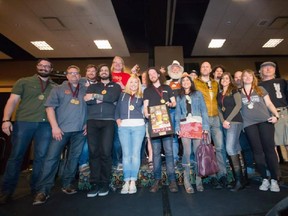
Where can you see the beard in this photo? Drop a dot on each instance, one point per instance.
(43, 73)
(175, 76)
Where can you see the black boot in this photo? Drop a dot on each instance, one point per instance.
(238, 175)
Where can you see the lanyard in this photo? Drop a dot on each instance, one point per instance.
(43, 88)
(74, 93)
(160, 93)
(248, 96)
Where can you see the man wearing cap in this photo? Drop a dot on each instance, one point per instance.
(175, 71)
(277, 89)
(193, 74)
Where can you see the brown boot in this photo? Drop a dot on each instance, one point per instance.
(173, 187)
(155, 187)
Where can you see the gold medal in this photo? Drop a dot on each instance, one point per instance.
(72, 101)
(162, 101)
(131, 107)
(104, 92)
(223, 109)
(41, 97)
(76, 101)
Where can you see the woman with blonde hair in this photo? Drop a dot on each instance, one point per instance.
(259, 116)
(131, 131)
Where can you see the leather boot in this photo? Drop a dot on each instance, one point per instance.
(235, 159)
(155, 187)
(173, 187)
(187, 185)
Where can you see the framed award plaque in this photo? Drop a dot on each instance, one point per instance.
(160, 121)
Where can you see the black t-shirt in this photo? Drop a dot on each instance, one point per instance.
(277, 90)
(151, 94)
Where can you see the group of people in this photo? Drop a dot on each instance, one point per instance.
(103, 117)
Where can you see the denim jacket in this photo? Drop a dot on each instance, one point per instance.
(198, 108)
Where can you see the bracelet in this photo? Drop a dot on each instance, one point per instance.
(6, 121)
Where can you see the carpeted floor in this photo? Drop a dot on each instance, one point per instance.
(249, 201)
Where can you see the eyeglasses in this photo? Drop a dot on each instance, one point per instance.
(45, 66)
(73, 73)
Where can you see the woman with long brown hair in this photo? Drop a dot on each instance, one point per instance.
(259, 126)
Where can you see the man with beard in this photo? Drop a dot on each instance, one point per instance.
(90, 74)
(101, 99)
(217, 72)
(155, 94)
(31, 124)
(175, 71)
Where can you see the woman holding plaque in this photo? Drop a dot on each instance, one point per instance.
(229, 101)
(190, 103)
(259, 114)
(131, 131)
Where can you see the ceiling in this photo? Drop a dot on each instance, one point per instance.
(137, 26)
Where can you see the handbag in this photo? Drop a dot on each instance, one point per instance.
(191, 127)
(206, 158)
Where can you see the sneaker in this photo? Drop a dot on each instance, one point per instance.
(265, 185)
(94, 191)
(4, 198)
(103, 191)
(120, 167)
(132, 187)
(125, 188)
(40, 198)
(69, 190)
(274, 186)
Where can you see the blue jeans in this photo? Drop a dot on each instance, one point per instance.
(232, 138)
(167, 145)
(175, 138)
(84, 157)
(246, 150)
(22, 135)
(117, 151)
(187, 151)
(217, 136)
(51, 163)
(131, 139)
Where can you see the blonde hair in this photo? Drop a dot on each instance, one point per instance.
(139, 92)
(122, 61)
(254, 84)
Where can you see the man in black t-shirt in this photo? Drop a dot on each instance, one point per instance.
(277, 89)
(155, 94)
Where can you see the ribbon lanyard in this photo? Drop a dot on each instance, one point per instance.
(43, 88)
(74, 93)
(160, 93)
(248, 96)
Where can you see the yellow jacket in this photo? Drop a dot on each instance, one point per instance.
(210, 95)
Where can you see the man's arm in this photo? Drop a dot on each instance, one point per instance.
(8, 110)
(56, 131)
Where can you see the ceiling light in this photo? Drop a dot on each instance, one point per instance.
(272, 43)
(102, 44)
(42, 45)
(216, 43)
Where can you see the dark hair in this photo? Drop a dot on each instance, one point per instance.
(216, 67)
(232, 86)
(192, 87)
(45, 59)
(162, 78)
(91, 66)
(98, 78)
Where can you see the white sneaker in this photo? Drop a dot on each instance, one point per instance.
(265, 185)
(125, 188)
(120, 167)
(132, 187)
(274, 186)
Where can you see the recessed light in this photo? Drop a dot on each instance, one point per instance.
(103, 44)
(216, 43)
(42, 45)
(272, 43)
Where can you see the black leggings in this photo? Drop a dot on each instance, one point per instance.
(261, 137)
